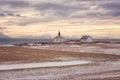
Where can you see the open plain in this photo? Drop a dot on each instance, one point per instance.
(60, 62)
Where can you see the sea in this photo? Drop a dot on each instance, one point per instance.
(18, 41)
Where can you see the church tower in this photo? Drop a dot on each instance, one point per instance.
(59, 38)
(59, 33)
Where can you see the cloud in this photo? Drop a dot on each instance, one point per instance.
(2, 15)
(54, 6)
(47, 11)
(15, 4)
(52, 10)
(66, 8)
(5, 14)
(59, 9)
(71, 12)
(2, 28)
(112, 7)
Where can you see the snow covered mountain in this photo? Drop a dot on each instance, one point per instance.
(3, 36)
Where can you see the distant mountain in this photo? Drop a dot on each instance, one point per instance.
(3, 36)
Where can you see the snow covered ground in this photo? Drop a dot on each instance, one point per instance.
(42, 64)
(87, 72)
(112, 49)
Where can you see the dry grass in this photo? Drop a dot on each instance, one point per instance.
(22, 54)
(33, 55)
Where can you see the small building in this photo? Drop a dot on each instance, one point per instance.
(59, 38)
(86, 39)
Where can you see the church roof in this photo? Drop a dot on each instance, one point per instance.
(85, 37)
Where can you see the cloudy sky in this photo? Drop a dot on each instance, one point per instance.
(98, 18)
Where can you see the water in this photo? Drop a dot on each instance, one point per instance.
(17, 41)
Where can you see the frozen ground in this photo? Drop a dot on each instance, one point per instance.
(86, 72)
(67, 67)
(42, 64)
(98, 48)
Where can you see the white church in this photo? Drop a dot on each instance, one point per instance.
(59, 38)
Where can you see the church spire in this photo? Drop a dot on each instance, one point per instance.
(59, 33)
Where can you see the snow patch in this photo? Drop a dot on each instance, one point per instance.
(83, 48)
(42, 64)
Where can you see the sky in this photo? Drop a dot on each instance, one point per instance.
(27, 18)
